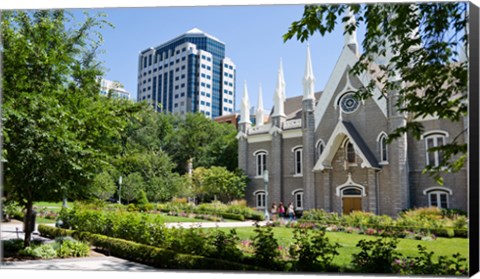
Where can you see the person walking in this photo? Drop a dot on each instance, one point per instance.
(291, 211)
(281, 210)
(273, 211)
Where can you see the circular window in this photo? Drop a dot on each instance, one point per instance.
(348, 103)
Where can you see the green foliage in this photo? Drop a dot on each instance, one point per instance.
(425, 264)
(67, 248)
(12, 210)
(312, 250)
(377, 256)
(423, 42)
(266, 248)
(103, 186)
(11, 246)
(132, 186)
(207, 142)
(40, 251)
(226, 246)
(218, 182)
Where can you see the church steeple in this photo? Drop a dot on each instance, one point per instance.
(350, 38)
(282, 81)
(279, 96)
(309, 78)
(260, 110)
(244, 107)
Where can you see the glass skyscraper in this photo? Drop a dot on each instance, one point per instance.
(188, 74)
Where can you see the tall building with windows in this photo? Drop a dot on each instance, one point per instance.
(113, 88)
(189, 73)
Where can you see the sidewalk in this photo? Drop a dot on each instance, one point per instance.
(96, 262)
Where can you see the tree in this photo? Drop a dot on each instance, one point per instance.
(220, 183)
(132, 187)
(57, 130)
(203, 140)
(423, 43)
(103, 186)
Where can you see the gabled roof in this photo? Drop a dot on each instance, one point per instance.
(293, 106)
(345, 129)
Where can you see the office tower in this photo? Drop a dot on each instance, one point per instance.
(189, 73)
(114, 88)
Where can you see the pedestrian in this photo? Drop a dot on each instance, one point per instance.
(273, 211)
(291, 211)
(281, 210)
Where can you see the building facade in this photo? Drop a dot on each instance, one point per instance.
(113, 88)
(328, 150)
(189, 73)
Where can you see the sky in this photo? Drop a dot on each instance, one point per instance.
(252, 35)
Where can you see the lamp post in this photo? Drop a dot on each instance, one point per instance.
(265, 182)
(120, 189)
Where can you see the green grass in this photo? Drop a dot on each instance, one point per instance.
(407, 247)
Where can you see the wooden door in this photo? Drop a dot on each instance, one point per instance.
(351, 204)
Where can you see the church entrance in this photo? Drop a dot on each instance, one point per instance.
(351, 199)
(351, 204)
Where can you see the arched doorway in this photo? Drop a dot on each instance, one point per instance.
(351, 199)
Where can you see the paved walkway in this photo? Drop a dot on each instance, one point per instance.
(96, 262)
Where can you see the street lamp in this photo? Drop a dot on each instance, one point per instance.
(265, 182)
(120, 189)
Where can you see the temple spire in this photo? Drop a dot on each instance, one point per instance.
(279, 96)
(350, 38)
(259, 115)
(244, 107)
(309, 78)
(284, 97)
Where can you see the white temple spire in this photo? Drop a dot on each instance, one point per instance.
(309, 78)
(278, 97)
(244, 107)
(259, 115)
(350, 38)
(281, 76)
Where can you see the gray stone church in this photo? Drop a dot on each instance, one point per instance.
(328, 150)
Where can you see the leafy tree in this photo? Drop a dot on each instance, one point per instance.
(103, 186)
(422, 42)
(57, 130)
(220, 183)
(132, 187)
(203, 140)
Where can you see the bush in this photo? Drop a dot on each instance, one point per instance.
(11, 209)
(44, 251)
(265, 247)
(67, 247)
(146, 254)
(376, 256)
(424, 264)
(12, 246)
(312, 250)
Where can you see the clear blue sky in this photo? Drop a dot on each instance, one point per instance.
(252, 34)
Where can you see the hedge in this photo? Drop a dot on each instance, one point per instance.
(145, 254)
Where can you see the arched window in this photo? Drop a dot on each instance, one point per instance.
(382, 148)
(438, 196)
(350, 152)
(298, 199)
(297, 153)
(434, 139)
(259, 199)
(261, 161)
(319, 149)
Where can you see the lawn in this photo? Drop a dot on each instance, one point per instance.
(407, 247)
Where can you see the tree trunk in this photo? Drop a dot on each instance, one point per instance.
(27, 225)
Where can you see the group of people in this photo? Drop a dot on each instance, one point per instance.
(282, 212)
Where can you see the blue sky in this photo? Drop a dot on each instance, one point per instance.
(252, 34)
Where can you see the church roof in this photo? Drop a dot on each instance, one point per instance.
(293, 106)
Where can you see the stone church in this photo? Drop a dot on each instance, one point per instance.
(328, 150)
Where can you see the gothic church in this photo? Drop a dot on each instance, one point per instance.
(328, 150)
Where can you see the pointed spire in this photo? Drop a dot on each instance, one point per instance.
(284, 97)
(259, 115)
(244, 107)
(309, 78)
(279, 97)
(350, 39)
